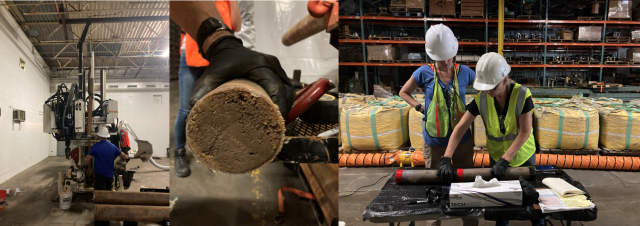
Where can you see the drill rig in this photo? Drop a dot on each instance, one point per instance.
(70, 116)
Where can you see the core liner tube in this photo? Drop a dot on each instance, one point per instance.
(429, 176)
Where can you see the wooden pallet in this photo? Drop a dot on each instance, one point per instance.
(471, 17)
(588, 62)
(529, 62)
(410, 61)
(560, 40)
(443, 16)
(562, 62)
(495, 40)
(408, 14)
(505, 17)
(617, 40)
(595, 151)
(381, 61)
(469, 40)
(619, 19)
(597, 86)
(349, 37)
(397, 8)
(529, 40)
(589, 40)
(415, 9)
(637, 41)
(617, 62)
(634, 63)
(609, 152)
(528, 17)
(407, 38)
(511, 62)
(378, 14)
(590, 18)
(379, 38)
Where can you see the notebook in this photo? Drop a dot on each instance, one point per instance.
(562, 187)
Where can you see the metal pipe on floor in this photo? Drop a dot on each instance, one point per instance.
(132, 198)
(151, 214)
(157, 165)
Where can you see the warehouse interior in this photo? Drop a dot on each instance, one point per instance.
(252, 198)
(577, 58)
(121, 50)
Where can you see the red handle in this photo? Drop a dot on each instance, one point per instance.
(318, 9)
(307, 97)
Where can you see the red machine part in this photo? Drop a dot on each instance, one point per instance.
(75, 154)
(308, 96)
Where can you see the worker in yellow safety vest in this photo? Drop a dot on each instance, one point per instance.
(444, 85)
(505, 108)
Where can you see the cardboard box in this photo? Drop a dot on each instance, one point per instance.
(415, 4)
(471, 7)
(633, 54)
(588, 33)
(565, 34)
(619, 9)
(464, 195)
(442, 7)
(635, 35)
(381, 53)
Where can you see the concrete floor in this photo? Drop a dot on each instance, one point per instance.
(616, 194)
(35, 208)
(207, 198)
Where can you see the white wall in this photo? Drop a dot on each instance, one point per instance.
(314, 55)
(148, 120)
(21, 145)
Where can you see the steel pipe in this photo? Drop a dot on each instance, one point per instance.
(151, 214)
(131, 198)
(428, 176)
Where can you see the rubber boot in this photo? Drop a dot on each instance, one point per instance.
(181, 164)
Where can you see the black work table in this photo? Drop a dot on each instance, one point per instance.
(390, 205)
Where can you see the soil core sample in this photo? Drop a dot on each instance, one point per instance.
(235, 128)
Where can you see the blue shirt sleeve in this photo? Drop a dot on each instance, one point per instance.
(116, 151)
(92, 152)
(421, 75)
(470, 74)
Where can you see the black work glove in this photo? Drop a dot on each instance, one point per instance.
(229, 60)
(530, 195)
(444, 169)
(499, 170)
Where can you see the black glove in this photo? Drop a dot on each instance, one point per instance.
(530, 195)
(229, 60)
(444, 169)
(499, 170)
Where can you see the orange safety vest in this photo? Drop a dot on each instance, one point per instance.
(192, 55)
(125, 139)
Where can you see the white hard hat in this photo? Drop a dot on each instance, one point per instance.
(103, 132)
(440, 43)
(490, 71)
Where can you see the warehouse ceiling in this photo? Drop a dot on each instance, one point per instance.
(132, 43)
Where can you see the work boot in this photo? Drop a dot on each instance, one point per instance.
(181, 164)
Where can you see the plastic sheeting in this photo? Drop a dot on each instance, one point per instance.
(314, 56)
(390, 205)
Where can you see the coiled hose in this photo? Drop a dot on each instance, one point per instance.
(158, 165)
(623, 163)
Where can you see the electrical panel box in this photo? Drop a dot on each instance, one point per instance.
(79, 111)
(48, 120)
(18, 115)
(112, 110)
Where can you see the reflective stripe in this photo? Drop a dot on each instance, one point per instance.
(522, 93)
(374, 133)
(348, 134)
(501, 139)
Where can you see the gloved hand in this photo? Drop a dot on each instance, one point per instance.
(444, 169)
(499, 170)
(229, 60)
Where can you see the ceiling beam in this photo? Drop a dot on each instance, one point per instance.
(98, 11)
(67, 58)
(103, 20)
(96, 41)
(107, 67)
(52, 3)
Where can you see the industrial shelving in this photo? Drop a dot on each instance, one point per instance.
(543, 24)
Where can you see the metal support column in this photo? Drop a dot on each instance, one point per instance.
(544, 60)
(364, 53)
(486, 25)
(500, 26)
(604, 31)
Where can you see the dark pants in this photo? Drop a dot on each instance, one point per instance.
(102, 183)
(530, 162)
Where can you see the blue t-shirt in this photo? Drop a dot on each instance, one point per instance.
(424, 77)
(104, 153)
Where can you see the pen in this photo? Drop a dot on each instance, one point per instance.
(417, 202)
